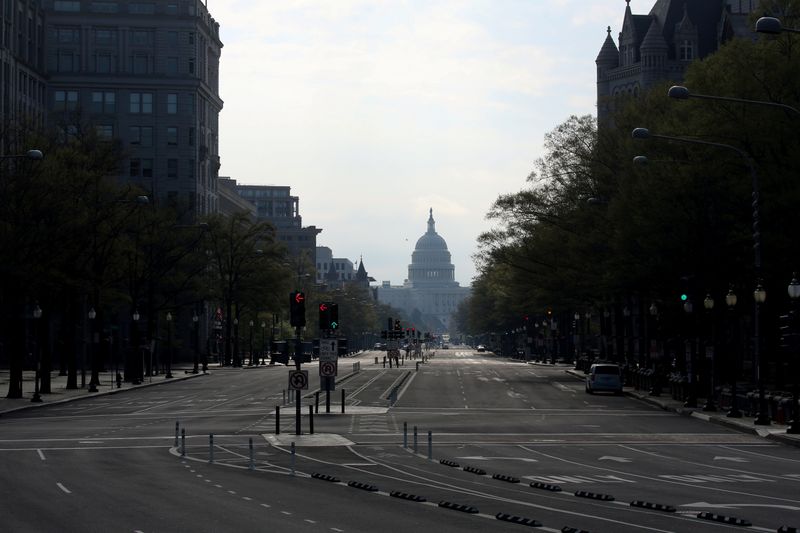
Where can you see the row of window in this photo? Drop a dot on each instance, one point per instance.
(109, 36)
(143, 168)
(136, 8)
(107, 62)
(106, 102)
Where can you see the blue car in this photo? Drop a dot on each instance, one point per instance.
(604, 377)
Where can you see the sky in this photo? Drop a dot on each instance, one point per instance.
(375, 111)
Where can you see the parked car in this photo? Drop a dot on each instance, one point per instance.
(604, 377)
(379, 346)
(481, 348)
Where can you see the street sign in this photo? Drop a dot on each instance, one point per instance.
(298, 379)
(328, 350)
(327, 369)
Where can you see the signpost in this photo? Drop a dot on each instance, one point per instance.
(328, 368)
(298, 380)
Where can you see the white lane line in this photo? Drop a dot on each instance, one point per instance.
(265, 505)
(287, 513)
(337, 529)
(65, 489)
(41, 454)
(310, 521)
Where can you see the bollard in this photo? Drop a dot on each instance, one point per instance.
(177, 424)
(415, 439)
(211, 448)
(277, 419)
(376, 359)
(405, 434)
(183, 442)
(417, 366)
(343, 399)
(252, 461)
(384, 361)
(311, 419)
(284, 397)
(316, 402)
(430, 446)
(293, 458)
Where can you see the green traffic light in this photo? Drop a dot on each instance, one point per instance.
(684, 297)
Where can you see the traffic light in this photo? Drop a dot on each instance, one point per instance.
(328, 315)
(297, 309)
(397, 325)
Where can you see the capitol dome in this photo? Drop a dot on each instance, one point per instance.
(430, 261)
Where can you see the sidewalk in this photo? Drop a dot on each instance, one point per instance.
(59, 392)
(745, 424)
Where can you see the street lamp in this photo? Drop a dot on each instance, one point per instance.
(773, 26)
(263, 350)
(95, 379)
(794, 296)
(708, 304)
(762, 418)
(251, 344)
(196, 322)
(33, 155)
(679, 92)
(236, 361)
(691, 400)
(655, 386)
(730, 301)
(168, 375)
(136, 355)
(37, 315)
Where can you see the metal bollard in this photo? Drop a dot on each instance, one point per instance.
(183, 442)
(384, 361)
(316, 402)
(211, 448)
(311, 419)
(177, 424)
(293, 458)
(405, 434)
(417, 366)
(252, 461)
(343, 400)
(376, 359)
(415, 439)
(277, 419)
(430, 446)
(284, 397)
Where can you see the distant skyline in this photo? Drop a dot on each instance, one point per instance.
(374, 111)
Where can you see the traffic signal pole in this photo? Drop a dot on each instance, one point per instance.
(297, 361)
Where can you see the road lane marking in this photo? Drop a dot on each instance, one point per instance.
(65, 489)
(41, 454)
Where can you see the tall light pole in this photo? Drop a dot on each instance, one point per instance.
(263, 336)
(37, 315)
(759, 295)
(251, 344)
(794, 296)
(708, 304)
(137, 356)
(196, 322)
(655, 386)
(730, 301)
(95, 378)
(691, 371)
(168, 375)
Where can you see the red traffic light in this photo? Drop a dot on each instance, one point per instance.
(323, 307)
(299, 297)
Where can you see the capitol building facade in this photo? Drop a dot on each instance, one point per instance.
(430, 294)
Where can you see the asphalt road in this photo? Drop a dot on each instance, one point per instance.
(113, 463)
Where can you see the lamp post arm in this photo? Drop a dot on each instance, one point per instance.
(746, 101)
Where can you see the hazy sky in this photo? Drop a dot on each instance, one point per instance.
(374, 111)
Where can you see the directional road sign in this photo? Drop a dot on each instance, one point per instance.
(298, 379)
(328, 350)
(327, 368)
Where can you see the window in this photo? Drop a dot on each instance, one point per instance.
(68, 35)
(135, 168)
(172, 9)
(141, 8)
(104, 102)
(191, 136)
(147, 168)
(105, 63)
(172, 168)
(141, 135)
(191, 65)
(172, 103)
(172, 136)
(105, 131)
(65, 101)
(104, 37)
(190, 169)
(66, 61)
(172, 39)
(172, 66)
(686, 50)
(141, 103)
(104, 7)
(72, 6)
(139, 63)
(191, 37)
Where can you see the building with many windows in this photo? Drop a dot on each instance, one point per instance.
(431, 291)
(147, 73)
(275, 204)
(660, 45)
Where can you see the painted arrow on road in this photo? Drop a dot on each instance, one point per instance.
(732, 459)
(482, 458)
(616, 459)
(706, 505)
